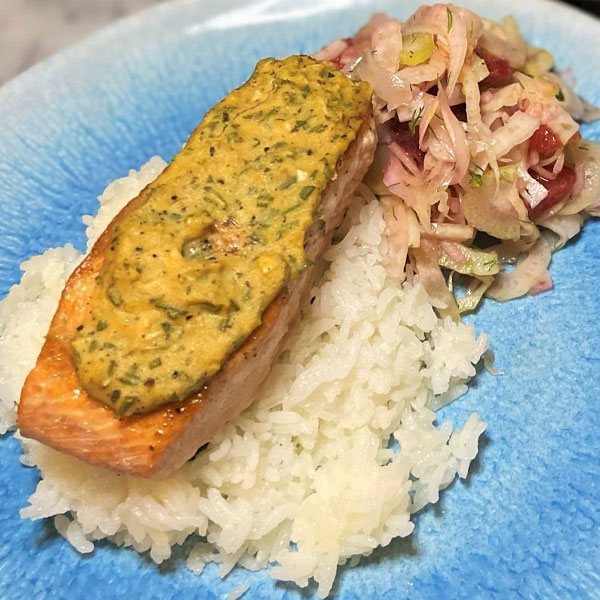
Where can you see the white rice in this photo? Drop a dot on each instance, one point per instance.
(238, 592)
(303, 480)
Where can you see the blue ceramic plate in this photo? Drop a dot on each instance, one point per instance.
(525, 524)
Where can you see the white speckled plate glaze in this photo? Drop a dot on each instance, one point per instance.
(525, 523)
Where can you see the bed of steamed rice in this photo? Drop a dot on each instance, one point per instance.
(309, 462)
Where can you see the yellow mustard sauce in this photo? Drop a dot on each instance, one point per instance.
(218, 235)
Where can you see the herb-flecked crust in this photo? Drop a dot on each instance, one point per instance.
(190, 272)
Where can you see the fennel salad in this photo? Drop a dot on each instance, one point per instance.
(480, 164)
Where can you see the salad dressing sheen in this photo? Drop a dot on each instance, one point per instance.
(218, 235)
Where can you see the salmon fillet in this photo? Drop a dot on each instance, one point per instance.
(57, 411)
